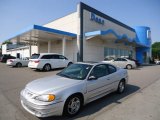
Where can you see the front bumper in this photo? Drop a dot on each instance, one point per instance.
(55, 109)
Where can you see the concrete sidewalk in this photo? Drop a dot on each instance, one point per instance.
(144, 105)
(8, 111)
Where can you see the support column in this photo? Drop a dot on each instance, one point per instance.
(38, 47)
(30, 50)
(63, 46)
(49, 46)
(80, 33)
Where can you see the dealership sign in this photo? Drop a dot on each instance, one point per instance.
(96, 19)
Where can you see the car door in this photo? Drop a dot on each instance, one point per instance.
(98, 82)
(46, 59)
(120, 62)
(55, 61)
(25, 61)
(63, 61)
(116, 62)
(123, 63)
(113, 76)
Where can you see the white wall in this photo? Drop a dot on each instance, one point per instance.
(94, 48)
(24, 51)
(4, 49)
(93, 26)
(56, 47)
(67, 23)
(34, 49)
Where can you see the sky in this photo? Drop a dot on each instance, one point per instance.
(15, 15)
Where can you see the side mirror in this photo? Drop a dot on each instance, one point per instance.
(92, 78)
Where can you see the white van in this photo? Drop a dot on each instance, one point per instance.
(48, 61)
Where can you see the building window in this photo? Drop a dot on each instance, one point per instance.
(114, 52)
(148, 34)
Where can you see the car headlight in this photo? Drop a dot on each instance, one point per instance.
(45, 98)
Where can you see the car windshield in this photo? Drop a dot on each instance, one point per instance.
(76, 71)
(35, 56)
(108, 59)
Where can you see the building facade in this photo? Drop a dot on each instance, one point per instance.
(85, 35)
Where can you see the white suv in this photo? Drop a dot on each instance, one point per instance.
(48, 61)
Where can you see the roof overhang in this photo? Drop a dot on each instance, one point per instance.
(111, 34)
(37, 33)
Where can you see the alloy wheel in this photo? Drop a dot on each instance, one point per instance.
(74, 105)
(47, 67)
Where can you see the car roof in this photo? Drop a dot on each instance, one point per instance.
(93, 63)
(50, 54)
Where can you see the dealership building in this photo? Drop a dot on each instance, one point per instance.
(84, 35)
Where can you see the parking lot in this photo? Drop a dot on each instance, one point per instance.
(13, 80)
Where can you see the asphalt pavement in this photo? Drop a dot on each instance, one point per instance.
(13, 80)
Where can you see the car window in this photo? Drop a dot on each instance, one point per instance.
(118, 59)
(62, 57)
(55, 56)
(47, 57)
(100, 71)
(112, 69)
(35, 56)
(108, 59)
(122, 59)
(12, 57)
(76, 71)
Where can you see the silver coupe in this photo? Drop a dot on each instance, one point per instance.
(72, 88)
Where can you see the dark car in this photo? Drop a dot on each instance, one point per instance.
(5, 57)
(136, 61)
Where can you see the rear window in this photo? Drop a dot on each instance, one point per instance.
(35, 56)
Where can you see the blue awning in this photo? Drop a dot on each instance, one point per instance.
(43, 29)
(119, 38)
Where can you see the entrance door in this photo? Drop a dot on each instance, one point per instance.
(144, 57)
(18, 55)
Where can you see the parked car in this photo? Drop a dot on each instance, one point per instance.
(48, 61)
(18, 62)
(136, 61)
(75, 86)
(157, 62)
(5, 57)
(122, 63)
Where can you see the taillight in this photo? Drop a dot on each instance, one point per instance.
(37, 61)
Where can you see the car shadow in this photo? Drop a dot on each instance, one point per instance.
(96, 106)
(18, 67)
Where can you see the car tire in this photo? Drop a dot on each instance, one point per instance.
(72, 106)
(129, 66)
(47, 67)
(69, 64)
(19, 65)
(121, 87)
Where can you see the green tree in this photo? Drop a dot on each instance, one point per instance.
(156, 50)
(7, 42)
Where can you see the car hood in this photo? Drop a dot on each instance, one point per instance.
(49, 84)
